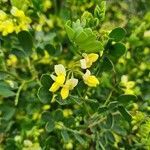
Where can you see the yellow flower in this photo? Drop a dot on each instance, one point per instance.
(17, 13)
(69, 85)
(128, 86)
(22, 20)
(15, 22)
(7, 27)
(67, 112)
(88, 60)
(12, 61)
(3, 15)
(59, 79)
(89, 79)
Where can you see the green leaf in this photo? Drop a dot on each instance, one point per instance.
(46, 81)
(117, 34)
(37, 5)
(58, 115)
(102, 109)
(81, 37)
(21, 4)
(50, 49)
(50, 126)
(109, 121)
(107, 64)
(70, 121)
(118, 50)
(70, 31)
(26, 41)
(44, 95)
(65, 136)
(125, 113)
(109, 136)
(3, 75)
(79, 139)
(63, 102)
(91, 35)
(112, 105)
(6, 92)
(119, 130)
(92, 46)
(101, 145)
(46, 116)
(7, 112)
(18, 53)
(99, 11)
(126, 98)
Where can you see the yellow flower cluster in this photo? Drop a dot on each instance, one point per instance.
(60, 81)
(14, 22)
(128, 85)
(12, 60)
(67, 85)
(89, 79)
(87, 62)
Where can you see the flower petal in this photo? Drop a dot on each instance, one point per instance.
(55, 86)
(64, 92)
(53, 77)
(83, 63)
(92, 57)
(88, 73)
(60, 79)
(71, 83)
(90, 80)
(60, 69)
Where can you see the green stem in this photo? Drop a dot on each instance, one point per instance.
(108, 98)
(18, 93)
(77, 132)
(74, 131)
(2, 60)
(100, 120)
(97, 122)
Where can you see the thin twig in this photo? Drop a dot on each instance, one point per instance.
(18, 93)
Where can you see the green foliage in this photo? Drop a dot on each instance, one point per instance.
(5, 90)
(26, 42)
(117, 34)
(74, 75)
(43, 93)
(84, 38)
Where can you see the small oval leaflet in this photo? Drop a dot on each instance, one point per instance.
(117, 34)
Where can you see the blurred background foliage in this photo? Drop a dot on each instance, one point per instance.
(116, 115)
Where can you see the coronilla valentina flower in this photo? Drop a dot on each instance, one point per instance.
(88, 60)
(69, 85)
(3, 15)
(17, 13)
(23, 20)
(14, 22)
(59, 79)
(7, 27)
(89, 79)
